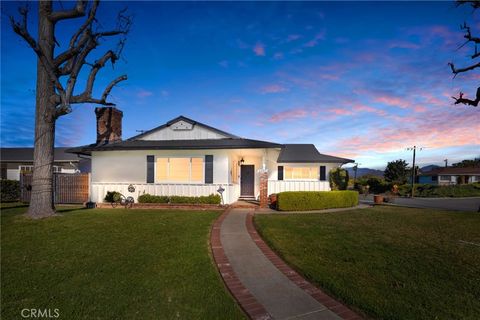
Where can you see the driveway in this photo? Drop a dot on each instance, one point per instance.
(460, 204)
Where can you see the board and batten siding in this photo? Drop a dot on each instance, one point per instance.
(197, 132)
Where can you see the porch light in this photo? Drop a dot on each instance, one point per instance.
(242, 161)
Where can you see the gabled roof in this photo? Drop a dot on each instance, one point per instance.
(452, 171)
(26, 155)
(199, 144)
(182, 118)
(306, 153)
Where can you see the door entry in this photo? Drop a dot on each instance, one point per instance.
(247, 180)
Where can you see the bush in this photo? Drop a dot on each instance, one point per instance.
(377, 184)
(112, 196)
(315, 200)
(10, 190)
(211, 199)
(435, 191)
(338, 178)
(148, 198)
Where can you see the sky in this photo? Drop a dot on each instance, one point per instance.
(362, 80)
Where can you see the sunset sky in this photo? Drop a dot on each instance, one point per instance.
(361, 80)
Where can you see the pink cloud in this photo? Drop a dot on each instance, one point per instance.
(259, 49)
(364, 108)
(144, 93)
(314, 41)
(290, 115)
(340, 112)
(393, 101)
(273, 88)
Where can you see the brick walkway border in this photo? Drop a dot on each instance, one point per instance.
(245, 299)
(333, 305)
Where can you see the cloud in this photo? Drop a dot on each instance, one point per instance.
(259, 49)
(403, 45)
(293, 37)
(290, 115)
(340, 112)
(278, 56)
(314, 41)
(273, 88)
(144, 93)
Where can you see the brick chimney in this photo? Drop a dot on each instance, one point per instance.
(109, 125)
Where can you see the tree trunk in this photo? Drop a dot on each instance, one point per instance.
(41, 202)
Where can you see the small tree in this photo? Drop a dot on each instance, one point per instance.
(338, 178)
(396, 172)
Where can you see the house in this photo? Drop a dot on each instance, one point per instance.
(186, 157)
(450, 176)
(15, 161)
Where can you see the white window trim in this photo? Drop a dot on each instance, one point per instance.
(189, 170)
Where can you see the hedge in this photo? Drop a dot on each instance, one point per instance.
(10, 190)
(211, 199)
(436, 191)
(112, 196)
(316, 200)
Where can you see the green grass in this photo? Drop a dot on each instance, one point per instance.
(112, 264)
(389, 262)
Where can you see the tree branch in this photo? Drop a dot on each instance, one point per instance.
(457, 71)
(462, 100)
(78, 11)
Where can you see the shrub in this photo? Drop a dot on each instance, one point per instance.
(435, 191)
(112, 196)
(10, 190)
(376, 184)
(315, 200)
(210, 199)
(338, 178)
(148, 198)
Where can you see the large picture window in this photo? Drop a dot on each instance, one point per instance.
(179, 170)
(300, 173)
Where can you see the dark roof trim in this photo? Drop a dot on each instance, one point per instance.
(203, 144)
(182, 118)
(26, 155)
(307, 153)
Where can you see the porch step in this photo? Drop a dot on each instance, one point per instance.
(247, 198)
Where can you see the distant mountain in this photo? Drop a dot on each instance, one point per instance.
(429, 168)
(365, 171)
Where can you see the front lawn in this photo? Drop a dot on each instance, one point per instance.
(389, 262)
(112, 264)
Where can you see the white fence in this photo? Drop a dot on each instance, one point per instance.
(275, 186)
(99, 190)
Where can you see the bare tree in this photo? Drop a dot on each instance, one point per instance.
(475, 40)
(56, 80)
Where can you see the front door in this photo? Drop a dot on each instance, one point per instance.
(247, 180)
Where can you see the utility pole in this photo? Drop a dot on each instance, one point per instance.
(414, 148)
(446, 162)
(355, 168)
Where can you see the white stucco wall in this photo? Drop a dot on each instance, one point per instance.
(131, 166)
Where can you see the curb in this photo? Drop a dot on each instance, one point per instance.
(242, 295)
(333, 305)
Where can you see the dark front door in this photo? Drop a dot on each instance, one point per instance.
(247, 180)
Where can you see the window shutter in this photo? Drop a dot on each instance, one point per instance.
(150, 169)
(209, 169)
(280, 173)
(323, 175)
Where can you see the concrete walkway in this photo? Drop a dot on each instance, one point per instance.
(282, 298)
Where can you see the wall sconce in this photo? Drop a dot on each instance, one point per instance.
(242, 161)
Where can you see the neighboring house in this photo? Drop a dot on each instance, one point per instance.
(15, 161)
(186, 157)
(450, 176)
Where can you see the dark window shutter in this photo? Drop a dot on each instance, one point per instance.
(280, 172)
(323, 174)
(150, 169)
(208, 169)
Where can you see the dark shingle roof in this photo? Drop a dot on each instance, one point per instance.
(229, 143)
(182, 118)
(26, 155)
(303, 153)
(452, 171)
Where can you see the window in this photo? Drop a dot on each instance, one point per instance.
(179, 170)
(297, 173)
(234, 172)
(434, 178)
(26, 169)
(445, 178)
(57, 169)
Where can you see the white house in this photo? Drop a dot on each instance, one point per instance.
(186, 157)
